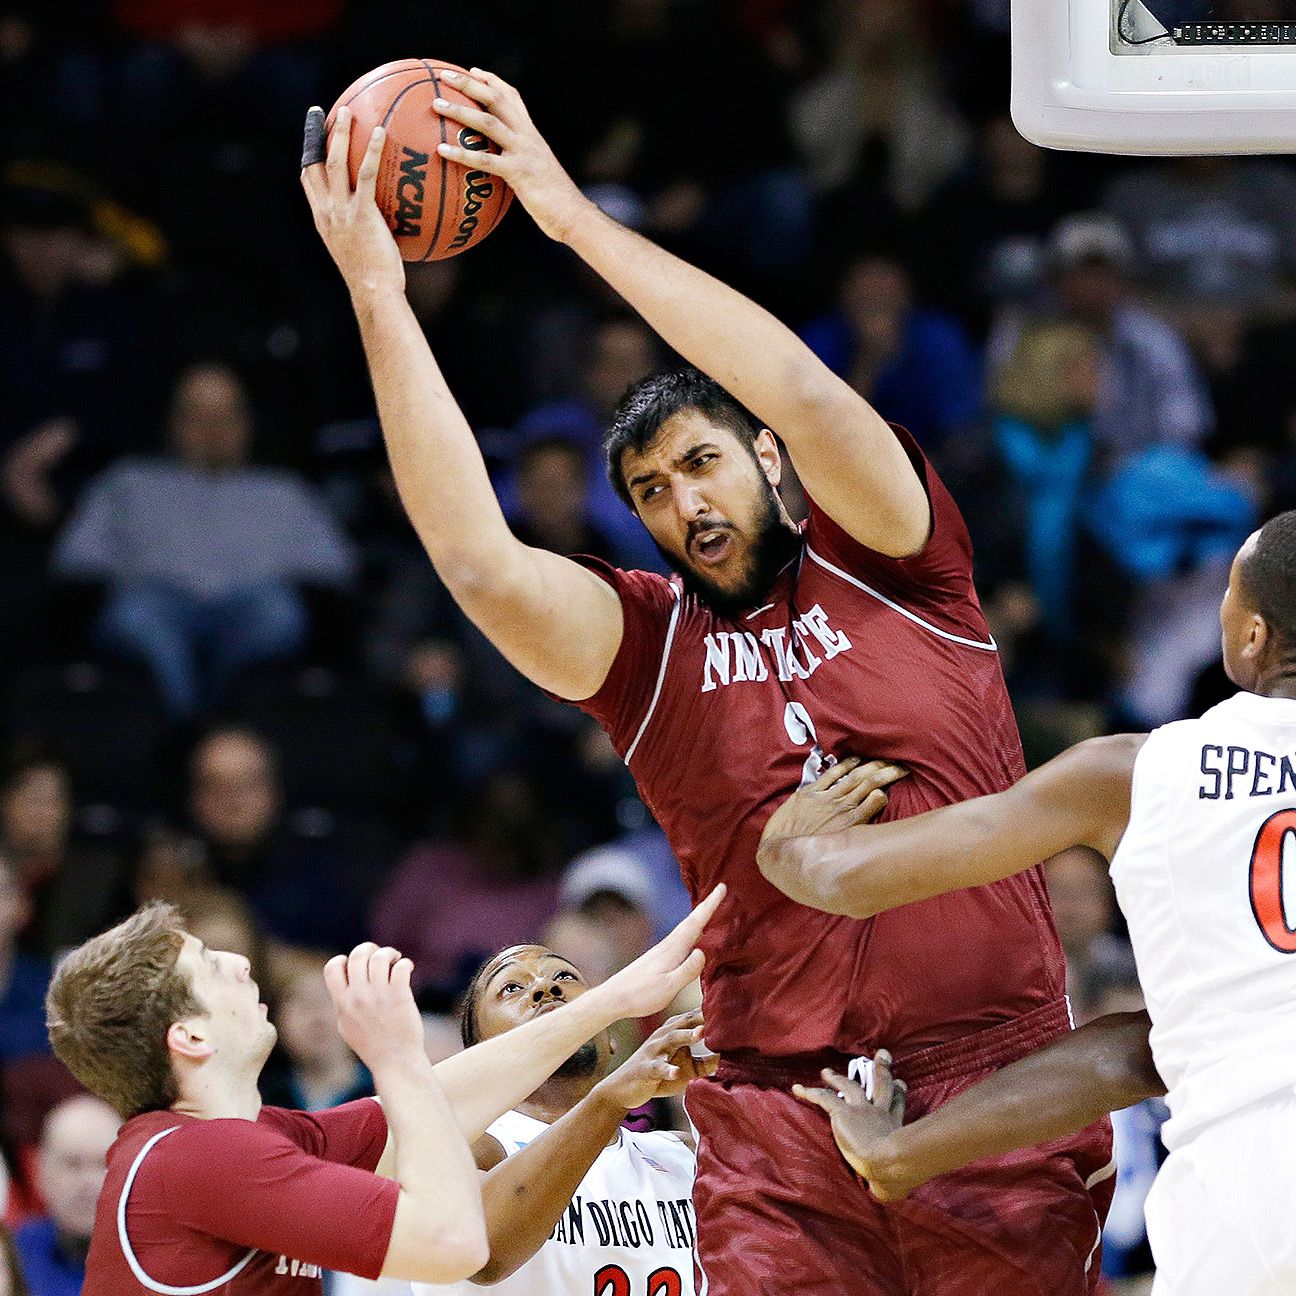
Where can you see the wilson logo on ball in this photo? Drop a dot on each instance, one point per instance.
(479, 186)
(409, 191)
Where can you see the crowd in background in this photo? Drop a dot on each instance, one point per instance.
(230, 678)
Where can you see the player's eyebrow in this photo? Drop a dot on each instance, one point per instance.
(512, 963)
(643, 478)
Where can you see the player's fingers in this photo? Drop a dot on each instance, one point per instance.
(685, 1021)
(380, 964)
(835, 773)
(688, 971)
(685, 934)
(339, 146)
(492, 79)
(883, 1080)
(899, 1099)
(872, 806)
(678, 1041)
(851, 1092)
(367, 177)
(475, 87)
(358, 963)
(335, 975)
(314, 138)
(706, 1066)
(476, 159)
(402, 974)
(476, 119)
(826, 1099)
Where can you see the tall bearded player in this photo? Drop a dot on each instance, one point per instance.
(773, 649)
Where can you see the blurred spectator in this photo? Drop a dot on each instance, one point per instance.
(612, 888)
(312, 1068)
(916, 366)
(981, 238)
(24, 978)
(553, 500)
(301, 887)
(451, 904)
(74, 364)
(74, 889)
(1150, 391)
(639, 868)
(1084, 909)
(70, 1171)
(1211, 230)
(169, 866)
(12, 1282)
(203, 554)
(618, 352)
(873, 125)
(1050, 594)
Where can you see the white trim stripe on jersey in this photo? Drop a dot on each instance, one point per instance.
(661, 675)
(162, 1288)
(991, 646)
(705, 1285)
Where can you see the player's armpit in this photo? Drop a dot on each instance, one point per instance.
(1079, 799)
(557, 622)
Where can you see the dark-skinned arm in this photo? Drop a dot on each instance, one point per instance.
(524, 1196)
(1055, 1091)
(1081, 798)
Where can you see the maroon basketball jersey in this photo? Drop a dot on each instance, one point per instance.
(720, 718)
(241, 1207)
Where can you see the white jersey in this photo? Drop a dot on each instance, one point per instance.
(1206, 877)
(629, 1228)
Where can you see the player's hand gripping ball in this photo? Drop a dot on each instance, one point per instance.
(434, 207)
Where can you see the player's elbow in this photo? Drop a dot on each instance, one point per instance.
(452, 1252)
(463, 1252)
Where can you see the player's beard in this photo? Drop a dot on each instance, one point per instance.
(776, 544)
(584, 1062)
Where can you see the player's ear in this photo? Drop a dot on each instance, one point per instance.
(1258, 636)
(765, 447)
(187, 1039)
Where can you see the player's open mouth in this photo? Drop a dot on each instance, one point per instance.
(712, 546)
(548, 1007)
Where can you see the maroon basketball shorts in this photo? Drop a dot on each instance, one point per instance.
(780, 1211)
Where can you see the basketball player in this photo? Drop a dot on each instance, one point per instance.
(775, 650)
(207, 1190)
(1195, 819)
(575, 1203)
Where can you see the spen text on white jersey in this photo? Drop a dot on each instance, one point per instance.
(739, 656)
(632, 1224)
(1232, 772)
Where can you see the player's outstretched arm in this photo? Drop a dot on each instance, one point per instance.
(558, 623)
(1055, 1091)
(525, 1194)
(439, 1232)
(485, 1081)
(1081, 798)
(848, 458)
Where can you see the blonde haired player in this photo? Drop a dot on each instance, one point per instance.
(1198, 820)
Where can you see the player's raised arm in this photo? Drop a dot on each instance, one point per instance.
(525, 1195)
(1081, 798)
(485, 1081)
(844, 452)
(559, 624)
(1102, 1067)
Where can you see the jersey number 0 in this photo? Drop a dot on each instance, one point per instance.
(1267, 881)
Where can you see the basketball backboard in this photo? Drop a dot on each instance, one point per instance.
(1156, 76)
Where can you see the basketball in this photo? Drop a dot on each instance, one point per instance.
(435, 208)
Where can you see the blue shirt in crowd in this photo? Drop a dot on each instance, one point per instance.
(48, 1271)
(22, 1009)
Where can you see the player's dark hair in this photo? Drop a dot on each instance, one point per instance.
(638, 418)
(1269, 576)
